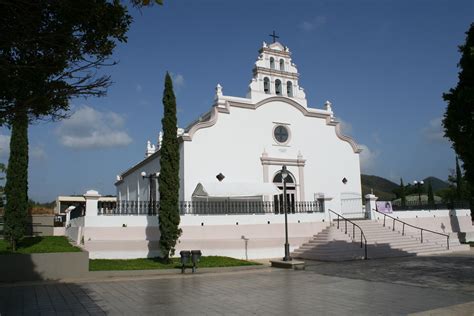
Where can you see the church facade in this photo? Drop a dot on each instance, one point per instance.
(237, 150)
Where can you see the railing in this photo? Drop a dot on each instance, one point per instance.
(209, 207)
(415, 206)
(363, 240)
(416, 227)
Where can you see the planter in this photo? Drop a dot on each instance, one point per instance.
(43, 266)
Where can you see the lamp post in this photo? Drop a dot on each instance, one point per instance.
(284, 174)
(150, 177)
(419, 184)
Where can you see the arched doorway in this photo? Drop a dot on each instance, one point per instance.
(290, 193)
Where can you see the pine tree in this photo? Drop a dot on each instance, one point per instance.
(431, 200)
(16, 188)
(403, 198)
(458, 181)
(169, 175)
(458, 120)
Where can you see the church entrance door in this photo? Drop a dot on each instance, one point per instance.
(290, 194)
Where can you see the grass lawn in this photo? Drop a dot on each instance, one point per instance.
(45, 244)
(157, 263)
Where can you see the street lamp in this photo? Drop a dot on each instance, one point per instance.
(150, 177)
(284, 175)
(419, 184)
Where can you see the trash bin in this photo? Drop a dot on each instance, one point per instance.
(195, 256)
(185, 255)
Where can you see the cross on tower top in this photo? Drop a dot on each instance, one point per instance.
(274, 36)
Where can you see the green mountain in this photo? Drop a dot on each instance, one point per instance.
(436, 183)
(381, 187)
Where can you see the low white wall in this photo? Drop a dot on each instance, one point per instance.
(240, 236)
(252, 241)
(122, 233)
(198, 220)
(120, 221)
(59, 231)
(443, 221)
(212, 234)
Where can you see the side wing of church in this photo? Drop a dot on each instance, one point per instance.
(237, 150)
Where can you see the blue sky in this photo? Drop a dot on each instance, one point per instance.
(383, 64)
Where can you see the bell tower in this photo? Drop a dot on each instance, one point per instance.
(274, 74)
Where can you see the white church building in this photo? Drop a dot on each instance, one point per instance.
(237, 149)
(231, 186)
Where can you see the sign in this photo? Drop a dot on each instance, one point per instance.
(384, 206)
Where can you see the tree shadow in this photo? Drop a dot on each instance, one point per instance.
(454, 221)
(52, 298)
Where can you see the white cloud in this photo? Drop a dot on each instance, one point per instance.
(313, 24)
(434, 131)
(368, 158)
(376, 138)
(89, 128)
(178, 80)
(139, 88)
(4, 146)
(38, 153)
(346, 128)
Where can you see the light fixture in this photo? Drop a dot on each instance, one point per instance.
(284, 173)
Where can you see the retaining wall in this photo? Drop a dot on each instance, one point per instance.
(43, 266)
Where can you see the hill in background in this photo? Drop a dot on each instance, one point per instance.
(436, 184)
(383, 188)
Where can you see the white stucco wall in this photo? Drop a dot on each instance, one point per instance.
(133, 187)
(235, 144)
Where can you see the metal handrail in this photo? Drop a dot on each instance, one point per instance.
(354, 225)
(421, 229)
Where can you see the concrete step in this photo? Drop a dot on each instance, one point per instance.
(334, 244)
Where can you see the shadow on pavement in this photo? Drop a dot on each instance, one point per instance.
(449, 272)
(51, 298)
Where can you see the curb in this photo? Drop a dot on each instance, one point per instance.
(110, 276)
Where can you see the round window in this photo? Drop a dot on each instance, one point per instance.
(281, 134)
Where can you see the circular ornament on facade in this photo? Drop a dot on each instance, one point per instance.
(281, 134)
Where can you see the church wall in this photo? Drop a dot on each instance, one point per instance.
(134, 187)
(234, 145)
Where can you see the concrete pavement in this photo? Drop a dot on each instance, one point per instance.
(437, 285)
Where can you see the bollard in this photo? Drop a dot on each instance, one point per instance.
(196, 256)
(185, 254)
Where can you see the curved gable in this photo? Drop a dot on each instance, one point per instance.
(305, 111)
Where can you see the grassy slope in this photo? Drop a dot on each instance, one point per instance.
(156, 263)
(47, 244)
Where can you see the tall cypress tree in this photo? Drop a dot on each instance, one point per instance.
(431, 200)
(169, 174)
(403, 198)
(16, 188)
(458, 181)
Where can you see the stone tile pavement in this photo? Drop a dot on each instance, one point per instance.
(318, 290)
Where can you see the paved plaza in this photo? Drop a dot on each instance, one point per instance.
(442, 285)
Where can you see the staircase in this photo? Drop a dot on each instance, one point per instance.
(333, 244)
